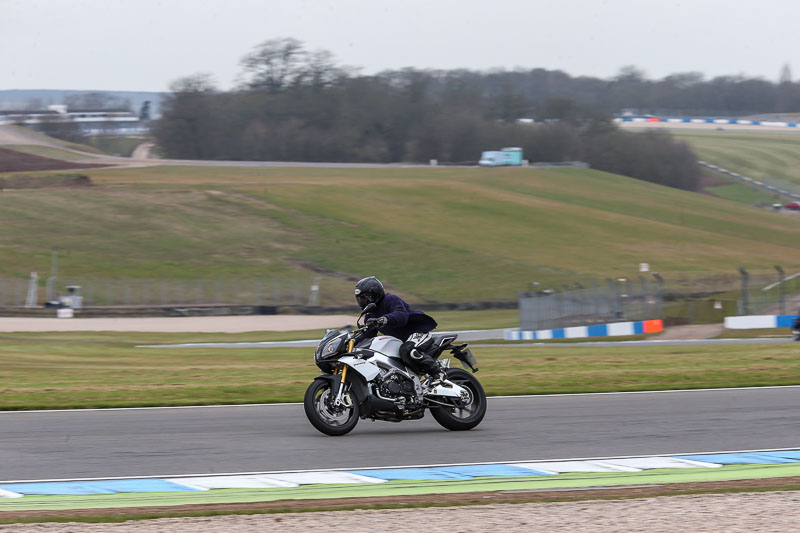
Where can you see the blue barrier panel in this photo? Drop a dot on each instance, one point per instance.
(757, 122)
(784, 321)
(492, 470)
(738, 459)
(600, 330)
(139, 485)
(396, 474)
(787, 454)
(638, 328)
(559, 333)
(56, 487)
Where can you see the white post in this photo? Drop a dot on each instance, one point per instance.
(33, 288)
(313, 299)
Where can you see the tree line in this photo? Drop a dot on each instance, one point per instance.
(296, 105)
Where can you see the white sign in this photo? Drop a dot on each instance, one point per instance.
(644, 267)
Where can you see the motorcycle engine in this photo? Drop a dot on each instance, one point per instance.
(396, 386)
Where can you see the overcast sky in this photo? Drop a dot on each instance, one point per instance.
(144, 45)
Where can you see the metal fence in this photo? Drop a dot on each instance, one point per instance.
(612, 301)
(147, 292)
(687, 297)
(778, 297)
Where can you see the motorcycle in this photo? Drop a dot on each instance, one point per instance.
(364, 377)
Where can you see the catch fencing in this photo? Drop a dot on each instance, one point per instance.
(610, 302)
(677, 298)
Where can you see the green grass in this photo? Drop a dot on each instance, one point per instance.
(48, 151)
(122, 146)
(762, 333)
(431, 234)
(745, 194)
(52, 140)
(39, 375)
(770, 157)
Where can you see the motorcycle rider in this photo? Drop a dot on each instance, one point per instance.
(393, 316)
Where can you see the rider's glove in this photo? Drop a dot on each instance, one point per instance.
(377, 323)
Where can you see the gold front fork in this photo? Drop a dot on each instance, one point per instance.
(350, 347)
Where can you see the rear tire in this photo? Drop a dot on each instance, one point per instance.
(323, 416)
(462, 419)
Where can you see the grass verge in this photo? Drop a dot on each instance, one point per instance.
(84, 374)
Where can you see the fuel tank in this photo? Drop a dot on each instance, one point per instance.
(386, 345)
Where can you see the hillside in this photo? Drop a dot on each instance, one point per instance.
(773, 158)
(15, 161)
(434, 234)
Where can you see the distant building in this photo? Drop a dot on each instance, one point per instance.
(90, 121)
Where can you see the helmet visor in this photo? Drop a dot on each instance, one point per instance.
(362, 300)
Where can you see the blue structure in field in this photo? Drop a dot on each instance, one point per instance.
(505, 157)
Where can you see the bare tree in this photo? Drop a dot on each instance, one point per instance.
(786, 74)
(320, 69)
(196, 83)
(274, 64)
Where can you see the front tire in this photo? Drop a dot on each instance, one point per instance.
(321, 413)
(469, 416)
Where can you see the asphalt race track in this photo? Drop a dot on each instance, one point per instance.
(203, 440)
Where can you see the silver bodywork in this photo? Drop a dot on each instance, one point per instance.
(383, 358)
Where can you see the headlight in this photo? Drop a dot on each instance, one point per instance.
(329, 347)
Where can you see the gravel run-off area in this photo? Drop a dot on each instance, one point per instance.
(740, 512)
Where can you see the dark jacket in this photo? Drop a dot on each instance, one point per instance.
(403, 321)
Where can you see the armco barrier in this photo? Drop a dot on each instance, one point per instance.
(759, 321)
(599, 330)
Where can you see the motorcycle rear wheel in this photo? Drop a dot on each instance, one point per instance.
(462, 419)
(322, 415)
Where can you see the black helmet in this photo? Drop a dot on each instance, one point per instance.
(369, 290)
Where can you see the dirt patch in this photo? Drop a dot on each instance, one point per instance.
(696, 331)
(439, 500)
(319, 270)
(42, 182)
(13, 161)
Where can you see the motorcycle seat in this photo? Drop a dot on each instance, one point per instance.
(442, 341)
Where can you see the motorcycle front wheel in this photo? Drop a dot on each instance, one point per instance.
(474, 407)
(318, 404)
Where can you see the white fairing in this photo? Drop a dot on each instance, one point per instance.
(389, 346)
(365, 368)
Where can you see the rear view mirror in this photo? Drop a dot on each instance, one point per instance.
(367, 308)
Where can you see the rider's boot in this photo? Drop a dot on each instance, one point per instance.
(433, 372)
